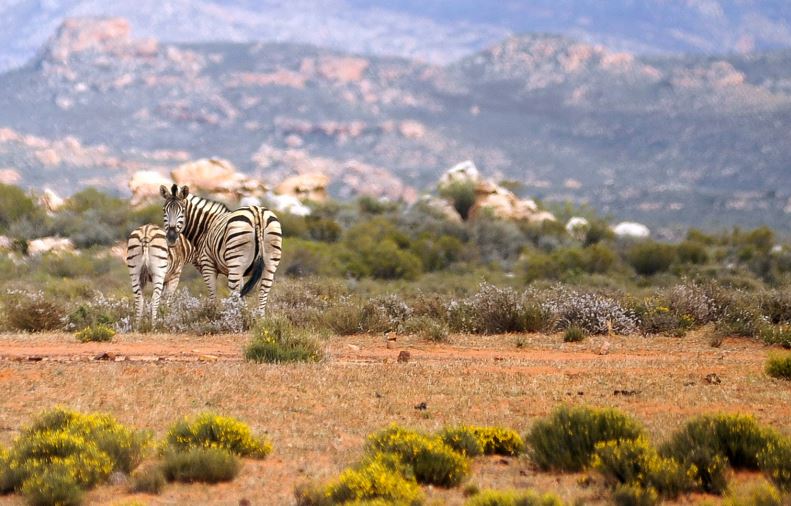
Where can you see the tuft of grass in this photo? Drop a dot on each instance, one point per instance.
(431, 460)
(574, 334)
(149, 481)
(277, 340)
(205, 465)
(761, 493)
(778, 365)
(566, 439)
(95, 333)
(208, 430)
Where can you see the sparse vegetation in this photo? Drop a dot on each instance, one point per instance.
(201, 464)
(513, 498)
(150, 480)
(277, 340)
(778, 365)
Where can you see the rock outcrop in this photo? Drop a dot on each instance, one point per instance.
(144, 186)
(310, 186)
(217, 178)
(49, 244)
(630, 229)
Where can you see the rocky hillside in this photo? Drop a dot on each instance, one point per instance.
(666, 141)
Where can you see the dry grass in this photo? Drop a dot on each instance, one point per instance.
(318, 415)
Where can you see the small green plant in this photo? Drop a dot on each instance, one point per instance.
(711, 442)
(775, 461)
(432, 461)
(756, 494)
(637, 462)
(778, 365)
(574, 334)
(96, 333)
(148, 481)
(206, 465)
(513, 498)
(566, 439)
(208, 430)
(277, 340)
(381, 479)
(634, 495)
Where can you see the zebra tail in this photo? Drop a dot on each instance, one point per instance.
(258, 264)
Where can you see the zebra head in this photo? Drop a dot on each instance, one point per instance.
(175, 202)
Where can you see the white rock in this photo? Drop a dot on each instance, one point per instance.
(5, 243)
(144, 186)
(463, 172)
(577, 227)
(50, 201)
(631, 229)
(289, 204)
(47, 244)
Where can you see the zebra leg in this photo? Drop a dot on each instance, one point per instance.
(272, 251)
(138, 283)
(209, 275)
(172, 284)
(159, 282)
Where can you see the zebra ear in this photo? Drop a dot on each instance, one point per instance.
(164, 191)
(183, 192)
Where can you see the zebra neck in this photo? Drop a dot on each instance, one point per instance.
(199, 215)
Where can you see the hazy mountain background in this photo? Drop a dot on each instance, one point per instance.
(669, 113)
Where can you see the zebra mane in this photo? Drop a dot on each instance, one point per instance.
(210, 204)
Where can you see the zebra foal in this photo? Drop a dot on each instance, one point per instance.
(150, 259)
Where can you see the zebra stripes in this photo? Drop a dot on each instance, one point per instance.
(244, 242)
(149, 258)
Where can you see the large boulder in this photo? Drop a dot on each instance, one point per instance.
(310, 186)
(631, 230)
(144, 186)
(217, 178)
(503, 204)
(47, 244)
(464, 172)
(50, 201)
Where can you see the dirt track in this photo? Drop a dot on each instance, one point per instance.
(319, 414)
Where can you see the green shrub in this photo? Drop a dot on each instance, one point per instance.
(634, 495)
(426, 328)
(574, 334)
(566, 440)
(636, 462)
(775, 461)
(95, 333)
(777, 334)
(31, 312)
(463, 440)
(148, 481)
(711, 442)
(473, 441)
(757, 494)
(206, 465)
(277, 340)
(513, 498)
(692, 252)
(53, 485)
(380, 478)
(649, 257)
(344, 318)
(208, 430)
(776, 306)
(778, 365)
(533, 317)
(492, 310)
(432, 461)
(15, 206)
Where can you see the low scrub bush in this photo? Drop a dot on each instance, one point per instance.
(637, 462)
(592, 312)
(574, 334)
(208, 430)
(100, 310)
(184, 313)
(775, 461)
(491, 310)
(634, 495)
(426, 328)
(778, 365)
(756, 494)
(431, 460)
(148, 481)
(473, 441)
(63, 452)
(776, 306)
(206, 465)
(649, 257)
(31, 311)
(95, 333)
(384, 313)
(711, 442)
(777, 334)
(566, 440)
(277, 340)
(513, 498)
(382, 479)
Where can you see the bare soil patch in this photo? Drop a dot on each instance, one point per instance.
(318, 415)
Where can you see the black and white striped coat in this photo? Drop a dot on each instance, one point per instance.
(150, 259)
(244, 242)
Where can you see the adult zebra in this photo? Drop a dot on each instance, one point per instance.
(149, 258)
(244, 242)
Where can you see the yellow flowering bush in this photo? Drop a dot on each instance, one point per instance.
(208, 430)
(63, 451)
(381, 479)
(513, 498)
(431, 460)
(634, 495)
(566, 439)
(472, 441)
(97, 333)
(775, 461)
(637, 462)
(760, 493)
